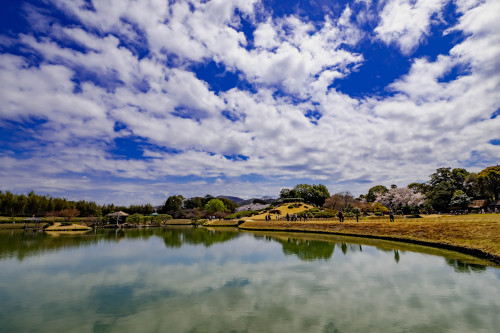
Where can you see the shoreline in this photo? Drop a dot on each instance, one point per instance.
(476, 236)
(354, 230)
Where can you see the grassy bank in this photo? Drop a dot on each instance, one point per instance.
(221, 223)
(7, 226)
(56, 226)
(474, 234)
(67, 227)
(179, 222)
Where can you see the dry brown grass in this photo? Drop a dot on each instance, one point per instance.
(73, 227)
(468, 232)
(284, 210)
(179, 222)
(221, 223)
(19, 225)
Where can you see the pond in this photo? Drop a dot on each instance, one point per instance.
(184, 279)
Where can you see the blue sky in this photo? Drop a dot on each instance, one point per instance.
(132, 101)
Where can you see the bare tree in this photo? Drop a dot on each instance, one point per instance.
(340, 201)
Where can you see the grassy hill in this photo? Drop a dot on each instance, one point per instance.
(290, 208)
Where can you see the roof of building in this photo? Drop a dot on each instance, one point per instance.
(119, 214)
(478, 203)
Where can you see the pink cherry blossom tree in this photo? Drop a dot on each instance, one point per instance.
(399, 197)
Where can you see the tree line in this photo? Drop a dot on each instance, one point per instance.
(33, 204)
(446, 189)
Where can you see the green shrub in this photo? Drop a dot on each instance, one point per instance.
(324, 214)
(63, 224)
(414, 216)
(198, 221)
(245, 213)
(290, 206)
(135, 218)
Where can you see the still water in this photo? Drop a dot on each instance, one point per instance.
(221, 280)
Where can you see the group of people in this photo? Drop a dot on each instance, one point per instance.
(295, 217)
(289, 217)
(269, 217)
(340, 215)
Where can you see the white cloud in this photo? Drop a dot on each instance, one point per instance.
(406, 23)
(425, 123)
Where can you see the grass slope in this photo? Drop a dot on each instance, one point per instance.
(284, 210)
(73, 227)
(476, 234)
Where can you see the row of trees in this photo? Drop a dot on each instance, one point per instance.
(314, 194)
(179, 207)
(44, 205)
(446, 189)
(455, 188)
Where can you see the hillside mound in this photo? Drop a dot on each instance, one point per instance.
(290, 208)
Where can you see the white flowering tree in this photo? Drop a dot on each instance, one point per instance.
(401, 197)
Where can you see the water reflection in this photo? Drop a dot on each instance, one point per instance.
(307, 247)
(181, 279)
(321, 247)
(176, 236)
(463, 267)
(20, 244)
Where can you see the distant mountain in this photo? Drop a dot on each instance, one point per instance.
(265, 199)
(242, 202)
(235, 199)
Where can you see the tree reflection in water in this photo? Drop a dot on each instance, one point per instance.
(175, 237)
(19, 244)
(462, 267)
(310, 249)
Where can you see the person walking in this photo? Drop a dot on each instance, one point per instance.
(391, 216)
(341, 216)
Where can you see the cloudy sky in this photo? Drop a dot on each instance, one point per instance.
(130, 101)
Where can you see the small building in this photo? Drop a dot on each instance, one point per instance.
(478, 205)
(117, 216)
(32, 220)
(494, 205)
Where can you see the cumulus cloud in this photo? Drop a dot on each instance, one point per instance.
(406, 22)
(126, 70)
